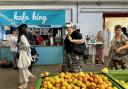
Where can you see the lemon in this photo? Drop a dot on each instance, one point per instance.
(104, 70)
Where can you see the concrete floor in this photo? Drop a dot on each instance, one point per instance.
(9, 77)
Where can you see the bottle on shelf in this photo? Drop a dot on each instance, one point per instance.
(51, 40)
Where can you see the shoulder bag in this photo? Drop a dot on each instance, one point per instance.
(79, 49)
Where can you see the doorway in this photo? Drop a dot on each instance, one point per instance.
(109, 22)
(112, 19)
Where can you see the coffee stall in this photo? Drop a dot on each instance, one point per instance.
(48, 23)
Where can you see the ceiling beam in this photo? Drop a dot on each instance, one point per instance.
(41, 2)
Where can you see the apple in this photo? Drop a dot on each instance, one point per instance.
(50, 86)
(115, 88)
(63, 87)
(45, 74)
(83, 86)
(62, 75)
(79, 83)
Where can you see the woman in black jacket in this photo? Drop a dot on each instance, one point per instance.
(72, 60)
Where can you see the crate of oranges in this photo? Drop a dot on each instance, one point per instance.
(81, 80)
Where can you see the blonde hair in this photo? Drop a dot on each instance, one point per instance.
(100, 36)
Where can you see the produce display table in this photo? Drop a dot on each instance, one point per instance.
(114, 83)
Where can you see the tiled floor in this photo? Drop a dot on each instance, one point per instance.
(9, 77)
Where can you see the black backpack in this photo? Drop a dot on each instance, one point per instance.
(34, 54)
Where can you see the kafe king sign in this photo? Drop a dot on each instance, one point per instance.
(24, 17)
(32, 17)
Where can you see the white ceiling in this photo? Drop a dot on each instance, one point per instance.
(40, 2)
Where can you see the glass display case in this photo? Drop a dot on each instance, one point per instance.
(44, 36)
(47, 36)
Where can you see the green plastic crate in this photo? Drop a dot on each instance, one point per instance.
(38, 85)
(119, 75)
(114, 83)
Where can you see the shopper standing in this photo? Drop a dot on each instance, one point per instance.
(72, 60)
(39, 39)
(117, 50)
(30, 39)
(124, 30)
(13, 45)
(25, 58)
(100, 48)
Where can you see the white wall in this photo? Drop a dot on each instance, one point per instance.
(90, 17)
(90, 23)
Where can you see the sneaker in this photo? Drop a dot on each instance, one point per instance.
(23, 86)
(97, 59)
(16, 68)
(32, 78)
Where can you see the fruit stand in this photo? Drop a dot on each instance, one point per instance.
(82, 80)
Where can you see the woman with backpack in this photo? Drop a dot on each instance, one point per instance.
(25, 58)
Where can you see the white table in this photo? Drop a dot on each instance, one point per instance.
(93, 50)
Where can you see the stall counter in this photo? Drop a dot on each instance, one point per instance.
(5, 53)
(50, 55)
(47, 55)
